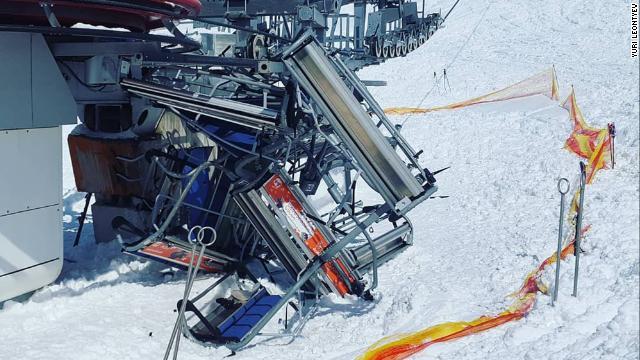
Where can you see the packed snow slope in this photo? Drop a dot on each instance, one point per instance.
(471, 249)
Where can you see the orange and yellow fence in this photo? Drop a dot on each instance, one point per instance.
(544, 83)
(585, 141)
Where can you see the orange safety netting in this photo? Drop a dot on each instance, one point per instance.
(590, 143)
(404, 345)
(544, 83)
(583, 139)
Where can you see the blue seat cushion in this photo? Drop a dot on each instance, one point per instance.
(236, 327)
(234, 136)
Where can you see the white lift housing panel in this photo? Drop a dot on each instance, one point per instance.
(34, 102)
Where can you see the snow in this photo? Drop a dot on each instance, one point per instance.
(471, 249)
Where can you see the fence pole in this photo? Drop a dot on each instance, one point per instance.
(576, 245)
(563, 189)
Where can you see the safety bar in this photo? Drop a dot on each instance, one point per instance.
(387, 245)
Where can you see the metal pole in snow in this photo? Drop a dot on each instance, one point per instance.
(450, 10)
(83, 217)
(576, 245)
(612, 134)
(563, 188)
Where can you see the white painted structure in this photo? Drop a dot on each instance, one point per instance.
(34, 102)
(30, 209)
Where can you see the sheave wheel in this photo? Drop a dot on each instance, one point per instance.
(377, 46)
(411, 42)
(401, 49)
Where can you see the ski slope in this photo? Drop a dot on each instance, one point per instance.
(471, 249)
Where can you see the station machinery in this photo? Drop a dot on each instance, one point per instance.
(251, 122)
